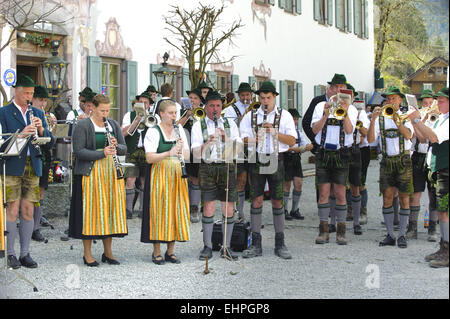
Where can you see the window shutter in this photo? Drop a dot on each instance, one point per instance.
(272, 2)
(185, 82)
(340, 20)
(365, 25)
(252, 81)
(282, 3)
(317, 10)
(348, 16)
(132, 78)
(329, 12)
(94, 73)
(357, 16)
(298, 6)
(299, 99)
(274, 82)
(317, 90)
(283, 95)
(153, 68)
(234, 82)
(212, 79)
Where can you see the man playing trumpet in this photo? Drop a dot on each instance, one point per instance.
(394, 138)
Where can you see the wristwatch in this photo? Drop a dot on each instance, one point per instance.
(416, 121)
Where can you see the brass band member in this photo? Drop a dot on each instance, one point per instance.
(335, 137)
(197, 100)
(205, 88)
(438, 163)
(236, 112)
(211, 136)
(420, 146)
(166, 202)
(394, 138)
(135, 154)
(272, 131)
(22, 172)
(98, 199)
(83, 110)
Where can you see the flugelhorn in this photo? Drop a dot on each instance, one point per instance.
(388, 111)
(198, 113)
(338, 112)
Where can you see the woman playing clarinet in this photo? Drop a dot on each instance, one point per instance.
(98, 198)
(166, 200)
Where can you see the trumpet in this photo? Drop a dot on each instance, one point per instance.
(388, 111)
(199, 113)
(338, 112)
(359, 124)
(432, 111)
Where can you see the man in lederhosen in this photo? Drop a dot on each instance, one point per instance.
(420, 146)
(394, 138)
(293, 172)
(335, 137)
(236, 112)
(135, 155)
(211, 138)
(268, 132)
(437, 160)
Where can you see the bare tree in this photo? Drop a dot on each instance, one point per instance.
(198, 34)
(22, 14)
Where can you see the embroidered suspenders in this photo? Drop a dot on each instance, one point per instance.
(276, 125)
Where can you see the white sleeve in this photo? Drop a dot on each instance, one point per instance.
(318, 113)
(364, 119)
(70, 116)
(151, 140)
(303, 141)
(409, 126)
(184, 137)
(443, 132)
(230, 113)
(234, 130)
(245, 126)
(289, 124)
(126, 119)
(196, 135)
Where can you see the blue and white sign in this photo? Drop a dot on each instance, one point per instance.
(9, 77)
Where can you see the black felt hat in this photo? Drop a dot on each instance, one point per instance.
(244, 87)
(40, 92)
(267, 87)
(338, 79)
(24, 81)
(213, 95)
(197, 92)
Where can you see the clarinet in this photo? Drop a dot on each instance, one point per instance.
(115, 159)
(180, 157)
(35, 136)
(218, 146)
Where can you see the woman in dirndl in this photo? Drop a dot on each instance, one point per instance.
(98, 196)
(166, 200)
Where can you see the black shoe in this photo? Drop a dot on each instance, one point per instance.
(357, 230)
(402, 242)
(228, 254)
(28, 262)
(158, 260)
(37, 236)
(13, 262)
(331, 228)
(387, 241)
(2, 254)
(287, 216)
(109, 260)
(92, 264)
(129, 214)
(297, 215)
(171, 258)
(205, 252)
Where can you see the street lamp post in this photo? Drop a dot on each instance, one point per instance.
(54, 70)
(164, 74)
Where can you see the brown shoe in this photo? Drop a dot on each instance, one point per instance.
(411, 233)
(349, 213)
(436, 254)
(442, 260)
(363, 216)
(323, 237)
(340, 234)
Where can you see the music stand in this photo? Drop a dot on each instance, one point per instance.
(14, 148)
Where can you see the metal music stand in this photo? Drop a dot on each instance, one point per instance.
(14, 148)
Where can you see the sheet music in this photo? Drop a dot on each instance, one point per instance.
(17, 147)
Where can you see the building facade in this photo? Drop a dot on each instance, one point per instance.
(299, 45)
(431, 76)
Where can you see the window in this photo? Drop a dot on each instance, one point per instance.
(289, 6)
(439, 70)
(265, 2)
(223, 83)
(323, 11)
(290, 99)
(360, 18)
(428, 86)
(343, 15)
(111, 85)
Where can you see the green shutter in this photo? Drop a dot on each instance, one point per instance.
(132, 80)
(94, 73)
(340, 20)
(329, 12)
(348, 17)
(282, 4)
(234, 82)
(252, 81)
(153, 68)
(185, 82)
(357, 16)
(298, 6)
(283, 94)
(272, 2)
(317, 90)
(365, 25)
(212, 79)
(299, 99)
(317, 10)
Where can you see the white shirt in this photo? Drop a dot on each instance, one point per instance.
(197, 137)
(441, 131)
(392, 144)
(302, 139)
(333, 131)
(422, 148)
(366, 123)
(287, 127)
(151, 140)
(126, 121)
(231, 113)
(71, 115)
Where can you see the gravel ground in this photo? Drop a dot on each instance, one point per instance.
(315, 271)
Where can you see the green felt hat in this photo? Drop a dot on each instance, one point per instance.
(86, 91)
(89, 97)
(151, 88)
(244, 87)
(425, 94)
(145, 94)
(203, 85)
(338, 79)
(392, 90)
(24, 81)
(294, 113)
(40, 92)
(213, 95)
(197, 92)
(443, 92)
(267, 87)
(350, 87)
